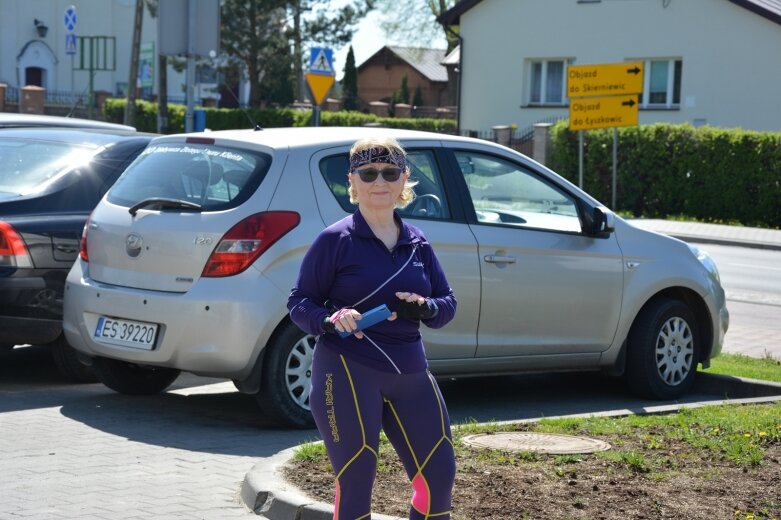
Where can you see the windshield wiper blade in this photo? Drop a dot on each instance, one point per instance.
(163, 203)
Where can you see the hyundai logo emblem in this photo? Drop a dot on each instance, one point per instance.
(133, 245)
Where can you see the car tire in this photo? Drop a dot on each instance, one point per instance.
(663, 350)
(67, 362)
(287, 378)
(132, 379)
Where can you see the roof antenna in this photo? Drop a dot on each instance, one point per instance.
(255, 125)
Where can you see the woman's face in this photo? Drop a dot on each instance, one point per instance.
(374, 189)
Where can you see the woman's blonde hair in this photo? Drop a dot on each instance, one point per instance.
(407, 194)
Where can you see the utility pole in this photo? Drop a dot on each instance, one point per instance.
(297, 51)
(130, 107)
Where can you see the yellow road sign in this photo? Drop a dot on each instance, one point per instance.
(319, 85)
(608, 79)
(602, 112)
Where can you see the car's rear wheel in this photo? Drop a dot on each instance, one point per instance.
(287, 378)
(67, 362)
(132, 379)
(663, 350)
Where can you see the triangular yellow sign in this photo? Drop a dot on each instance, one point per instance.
(319, 85)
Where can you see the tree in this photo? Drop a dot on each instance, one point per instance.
(350, 82)
(130, 106)
(417, 99)
(320, 24)
(257, 36)
(251, 35)
(418, 25)
(402, 94)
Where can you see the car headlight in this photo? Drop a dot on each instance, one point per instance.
(706, 260)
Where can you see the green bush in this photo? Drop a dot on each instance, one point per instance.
(234, 118)
(710, 174)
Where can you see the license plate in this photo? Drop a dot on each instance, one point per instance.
(127, 333)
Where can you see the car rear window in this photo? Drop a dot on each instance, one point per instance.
(214, 177)
(25, 165)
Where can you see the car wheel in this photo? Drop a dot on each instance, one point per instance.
(67, 362)
(132, 379)
(287, 378)
(663, 350)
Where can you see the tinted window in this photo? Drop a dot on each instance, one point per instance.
(214, 177)
(506, 193)
(429, 200)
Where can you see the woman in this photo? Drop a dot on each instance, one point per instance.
(378, 377)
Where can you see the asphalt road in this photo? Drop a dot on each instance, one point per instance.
(752, 281)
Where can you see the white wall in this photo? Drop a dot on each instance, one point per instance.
(731, 73)
(95, 18)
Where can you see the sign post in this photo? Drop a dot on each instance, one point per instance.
(320, 78)
(603, 96)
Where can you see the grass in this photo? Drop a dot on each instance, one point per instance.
(767, 368)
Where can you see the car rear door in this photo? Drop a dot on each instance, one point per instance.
(547, 288)
(439, 214)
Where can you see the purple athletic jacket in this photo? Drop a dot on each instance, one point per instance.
(347, 263)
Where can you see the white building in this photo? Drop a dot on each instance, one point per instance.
(32, 55)
(714, 62)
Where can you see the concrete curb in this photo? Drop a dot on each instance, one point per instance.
(267, 493)
(723, 241)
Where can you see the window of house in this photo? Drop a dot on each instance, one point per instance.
(662, 84)
(548, 82)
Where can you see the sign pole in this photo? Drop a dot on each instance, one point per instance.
(580, 159)
(615, 166)
(190, 75)
(316, 115)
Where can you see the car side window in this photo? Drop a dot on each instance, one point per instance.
(430, 201)
(506, 193)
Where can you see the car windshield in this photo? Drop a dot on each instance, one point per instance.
(212, 177)
(27, 165)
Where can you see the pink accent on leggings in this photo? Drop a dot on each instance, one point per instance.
(337, 493)
(420, 496)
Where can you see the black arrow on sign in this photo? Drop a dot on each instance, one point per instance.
(636, 70)
(629, 103)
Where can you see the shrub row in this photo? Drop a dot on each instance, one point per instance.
(231, 118)
(711, 174)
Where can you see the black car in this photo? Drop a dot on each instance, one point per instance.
(50, 181)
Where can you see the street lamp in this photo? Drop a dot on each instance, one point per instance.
(41, 28)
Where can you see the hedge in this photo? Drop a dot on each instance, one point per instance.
(710, 174)
(232, 118)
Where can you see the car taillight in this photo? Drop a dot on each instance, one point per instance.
(247, 240)
(13, 251)
(83, 243)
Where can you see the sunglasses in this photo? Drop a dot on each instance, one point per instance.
(390, 174)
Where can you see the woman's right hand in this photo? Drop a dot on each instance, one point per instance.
(344, 320)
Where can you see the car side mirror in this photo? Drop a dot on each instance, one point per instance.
(603, 222)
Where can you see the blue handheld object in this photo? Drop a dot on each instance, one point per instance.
(370, 318)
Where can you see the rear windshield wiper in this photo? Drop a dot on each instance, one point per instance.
(163, 203)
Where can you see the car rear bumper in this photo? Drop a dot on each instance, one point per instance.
(216, 328)
(30, 310)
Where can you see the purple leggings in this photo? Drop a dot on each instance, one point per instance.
(351, 402)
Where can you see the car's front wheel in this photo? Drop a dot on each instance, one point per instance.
(132, 379)
(287, 378)
(663, 350)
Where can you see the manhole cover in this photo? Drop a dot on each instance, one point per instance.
(537, 442)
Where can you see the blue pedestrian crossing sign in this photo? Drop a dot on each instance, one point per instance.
(321, 61)
(70, 44)
(70, 19)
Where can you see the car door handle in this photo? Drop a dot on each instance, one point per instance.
(63, 248)
(497, 259)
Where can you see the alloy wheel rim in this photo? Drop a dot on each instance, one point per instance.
(674, 351)
(298, 371)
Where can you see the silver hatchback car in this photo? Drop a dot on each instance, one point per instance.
(187, 262)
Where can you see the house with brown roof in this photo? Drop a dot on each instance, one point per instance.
(706, 62)
(381, 75)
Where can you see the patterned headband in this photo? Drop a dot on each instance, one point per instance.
(377, 154)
